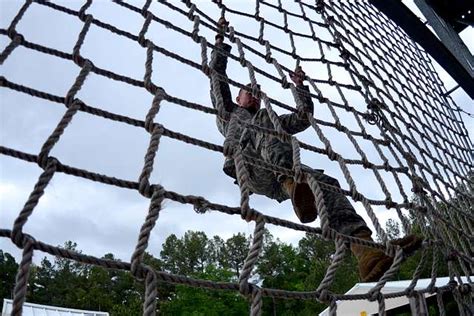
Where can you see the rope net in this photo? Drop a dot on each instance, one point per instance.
(415, 130)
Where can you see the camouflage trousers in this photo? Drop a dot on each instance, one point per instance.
(341, 214)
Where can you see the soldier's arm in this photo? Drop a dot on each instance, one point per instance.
(219, 64)
(297, 122)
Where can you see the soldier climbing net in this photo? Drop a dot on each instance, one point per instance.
(421, 137)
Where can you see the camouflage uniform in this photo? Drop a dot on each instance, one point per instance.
(342, 216)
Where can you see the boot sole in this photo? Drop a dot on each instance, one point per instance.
(378, 270)
(409, 243)
(304, 203)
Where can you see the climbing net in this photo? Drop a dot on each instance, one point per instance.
(397, 102)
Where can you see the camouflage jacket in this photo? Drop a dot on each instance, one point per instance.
(255, 143)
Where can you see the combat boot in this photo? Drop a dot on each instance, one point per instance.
(302, 199)
(373, 263)
(409, 243)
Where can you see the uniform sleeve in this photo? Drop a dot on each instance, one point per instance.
(219, 64)
(297, 122)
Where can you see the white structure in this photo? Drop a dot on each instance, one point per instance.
(365, 307)
(30, 309)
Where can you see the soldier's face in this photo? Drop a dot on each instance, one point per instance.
(245, 99)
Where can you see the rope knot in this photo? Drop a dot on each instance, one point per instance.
(78, 59)
(11, 32)
(245, 288)
(17, 38)
(299, 174)
(365, 163)
(375, 105)
(200, 205)
(284, 83)
(364, 81)
(249, 215)
(138, 270)
(432, 288)
(375, 296)
(324, 296)
(345, 54)
(340, 127)
(145, 188)
(46, 162)
(452, 256)
(410, 158)
(269, 58)
(320, 6)
(389, 203)
(144, 11)
(356, 196)
(418, 185)
(149, 86)
(331, 20)
(322, 99)
(332, 155)
(411, 292)
(422, 209)
(465, 288)
(86, 18)
(22, 240)
(143, 41)
(85, 64)
(206, 69)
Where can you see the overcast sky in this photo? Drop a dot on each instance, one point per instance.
(104, 219)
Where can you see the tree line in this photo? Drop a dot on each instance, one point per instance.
(281, 265)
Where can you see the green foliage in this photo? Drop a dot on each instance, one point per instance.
(392, 228)
(8, 268)
(66, 283)
(234, 253)
(301, 268)
(195, 301)
(62, 282)
(187, 255)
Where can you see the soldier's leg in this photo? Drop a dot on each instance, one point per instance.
(277, 153)
(341, 214)
(343, 218)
